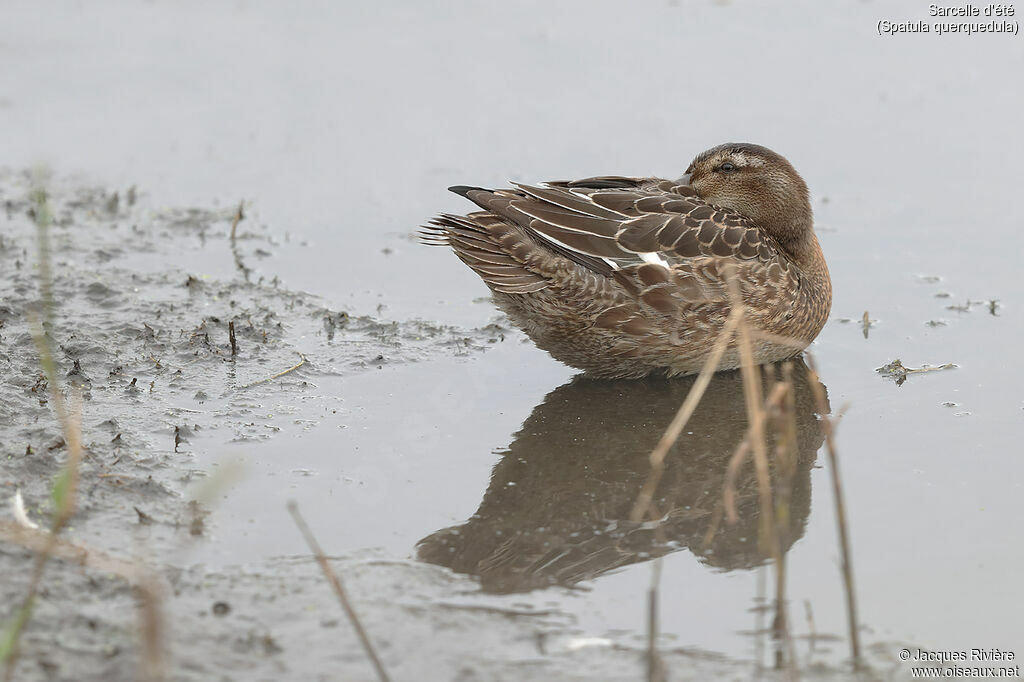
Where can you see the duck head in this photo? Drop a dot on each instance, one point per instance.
(757, 183)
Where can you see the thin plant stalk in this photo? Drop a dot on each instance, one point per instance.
(65, 486)
(768, 534)
(752, 394)
(774, 518)
(843, 533)
(301, 362)
(65, 490)
(678, 423)
(812, 638)
(339, 590)
(785, 458)
(137, 574)
(739, 456)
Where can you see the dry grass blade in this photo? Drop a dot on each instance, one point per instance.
(768, 535)
(65, 488)
(732, 472)
(752, 394)
(151, 591)
(812, 633)
(837, 494)
(65, 485)
(48, 544)
(38, 540)
(716, 521)
(785, 458)
(339, 590)
(238, 217)
(774, 514)
(668, 439)
(151, 628)
(302, 361)
(235, 251)
(740, 456)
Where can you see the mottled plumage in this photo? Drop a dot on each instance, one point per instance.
(625, 277)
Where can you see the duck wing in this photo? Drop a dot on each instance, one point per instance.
(626, 220)
(666, 247)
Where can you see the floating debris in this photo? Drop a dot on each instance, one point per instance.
(144, 518)
(896, 370)
(992, 305)
(19, 512)
(577, 643)
(866, 323)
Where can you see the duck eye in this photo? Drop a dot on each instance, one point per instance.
(727, 167)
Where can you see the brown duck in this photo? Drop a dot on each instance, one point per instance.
(625, 277)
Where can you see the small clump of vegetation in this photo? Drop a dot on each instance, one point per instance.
(776, 412)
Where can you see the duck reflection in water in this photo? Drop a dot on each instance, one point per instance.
(557, 509)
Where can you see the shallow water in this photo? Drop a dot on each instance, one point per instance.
(341, 127)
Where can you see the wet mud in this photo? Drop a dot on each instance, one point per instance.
(146, 303)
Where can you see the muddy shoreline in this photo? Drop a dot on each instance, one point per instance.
(144, 297)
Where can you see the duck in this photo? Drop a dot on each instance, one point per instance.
(626, 277)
